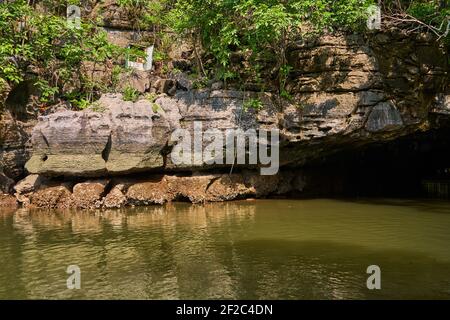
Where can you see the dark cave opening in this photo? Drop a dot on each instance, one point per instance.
(417, 165)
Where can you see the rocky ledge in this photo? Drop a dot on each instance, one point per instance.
(40, 192)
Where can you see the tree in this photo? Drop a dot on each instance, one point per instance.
(420, 16)
(38, 45)
(260, 29)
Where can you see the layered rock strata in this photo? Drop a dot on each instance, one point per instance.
(345, 92)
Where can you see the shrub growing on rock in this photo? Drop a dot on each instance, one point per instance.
(38, 44)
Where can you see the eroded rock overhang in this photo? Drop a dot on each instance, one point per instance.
(347, 91)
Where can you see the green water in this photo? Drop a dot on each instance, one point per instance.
(274, 249)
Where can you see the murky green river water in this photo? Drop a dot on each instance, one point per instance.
(274, 249)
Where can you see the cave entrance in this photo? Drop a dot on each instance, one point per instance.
(417, 166)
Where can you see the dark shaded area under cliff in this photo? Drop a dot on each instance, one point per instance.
(417, 165)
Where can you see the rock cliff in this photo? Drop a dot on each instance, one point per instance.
(346, 92)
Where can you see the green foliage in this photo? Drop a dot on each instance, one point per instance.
(159, 56)
(284, 74)
(47, 91)
(152, 98)
(431, 12)
(115, 76)
(253, 103)
(241, 41)
(3, 84)
(226, 75)
(135, 54)
(200, 83)
(144, 14)
(422, 15)
(81, 103)
(155, 107)
(224, 26)
(130, 94)
(422, 10)
(97, 107)
(41, 42)
(259, 30)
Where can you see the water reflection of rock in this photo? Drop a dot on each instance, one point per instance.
(22, 222)
(233, 250)
(176, 251)
(159, 252)
(181, 246)
(195, 216)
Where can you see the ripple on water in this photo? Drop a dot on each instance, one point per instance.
(240, 250)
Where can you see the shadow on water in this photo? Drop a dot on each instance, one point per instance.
(309, 249)
(326, 270)
(420, 205)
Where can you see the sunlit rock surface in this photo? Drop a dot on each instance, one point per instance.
(345, 92)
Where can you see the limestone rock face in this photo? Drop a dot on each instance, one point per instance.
(115, 198)
(160, 189)
(442, 104)
(111, 14)
(383, 117)
(69, 132)
(347, 91)
(89, 194)
(126, 137)
(57, 197)
(30, 183)
(25, 188)
(15, 149)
